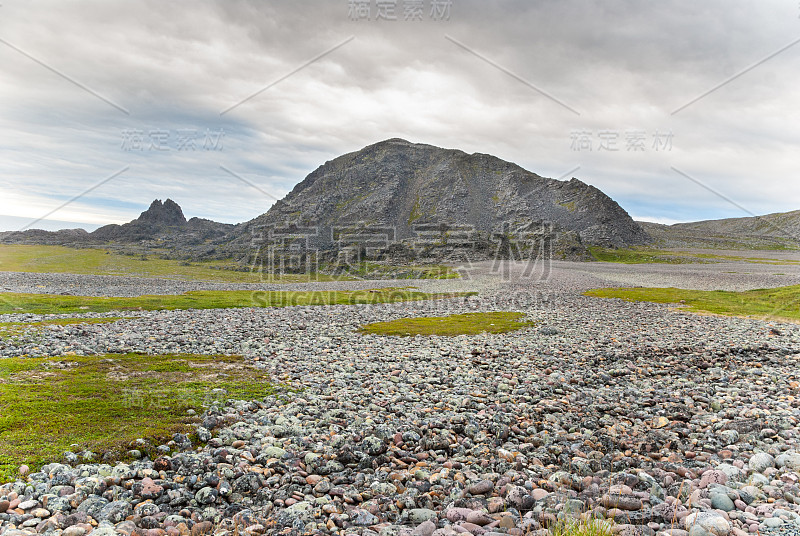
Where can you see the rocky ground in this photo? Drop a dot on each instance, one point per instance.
(662, 421)
(109, 285)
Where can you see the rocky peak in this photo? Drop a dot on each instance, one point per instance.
(167, 213)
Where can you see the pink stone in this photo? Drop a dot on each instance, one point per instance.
(477, 517)
(454, 515)
(149, 489)
(496, 504)
(713, 477)
(471, 528)
(538, 494)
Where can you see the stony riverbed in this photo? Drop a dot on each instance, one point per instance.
(662, 421)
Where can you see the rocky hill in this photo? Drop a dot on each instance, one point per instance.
(63, 237)
(417, 197)
(771, 231)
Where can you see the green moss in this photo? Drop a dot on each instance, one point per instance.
(415, 212)
(752, 260)
(463, 324)
(341, 205)
(203, 299)
(104, 403)
(569, 205)
(637, 256)
(782, 303)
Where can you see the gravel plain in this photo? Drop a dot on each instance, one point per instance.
(660, 420)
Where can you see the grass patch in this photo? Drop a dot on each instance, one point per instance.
(204, 299)
(463, 324)
(751, 260)
(781, 303)
(637, 256)
(104, 403)
(656, 256)
(581, 527)
(60, 259)
(375, 270)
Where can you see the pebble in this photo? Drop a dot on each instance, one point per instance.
(481, 488)
(760, 461)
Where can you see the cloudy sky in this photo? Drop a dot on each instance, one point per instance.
(679, 110)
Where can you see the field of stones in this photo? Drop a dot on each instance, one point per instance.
(554, 412)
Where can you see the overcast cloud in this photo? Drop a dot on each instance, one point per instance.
(533, 82)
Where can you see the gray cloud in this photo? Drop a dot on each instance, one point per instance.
(624, 65)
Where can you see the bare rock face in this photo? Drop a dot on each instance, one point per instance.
(168, 213)
(417, 194)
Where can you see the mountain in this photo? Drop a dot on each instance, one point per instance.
(161, 226)
(392, 200)
(414, 192)
(771, 231)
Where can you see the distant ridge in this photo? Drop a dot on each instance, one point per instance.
(771, 231)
